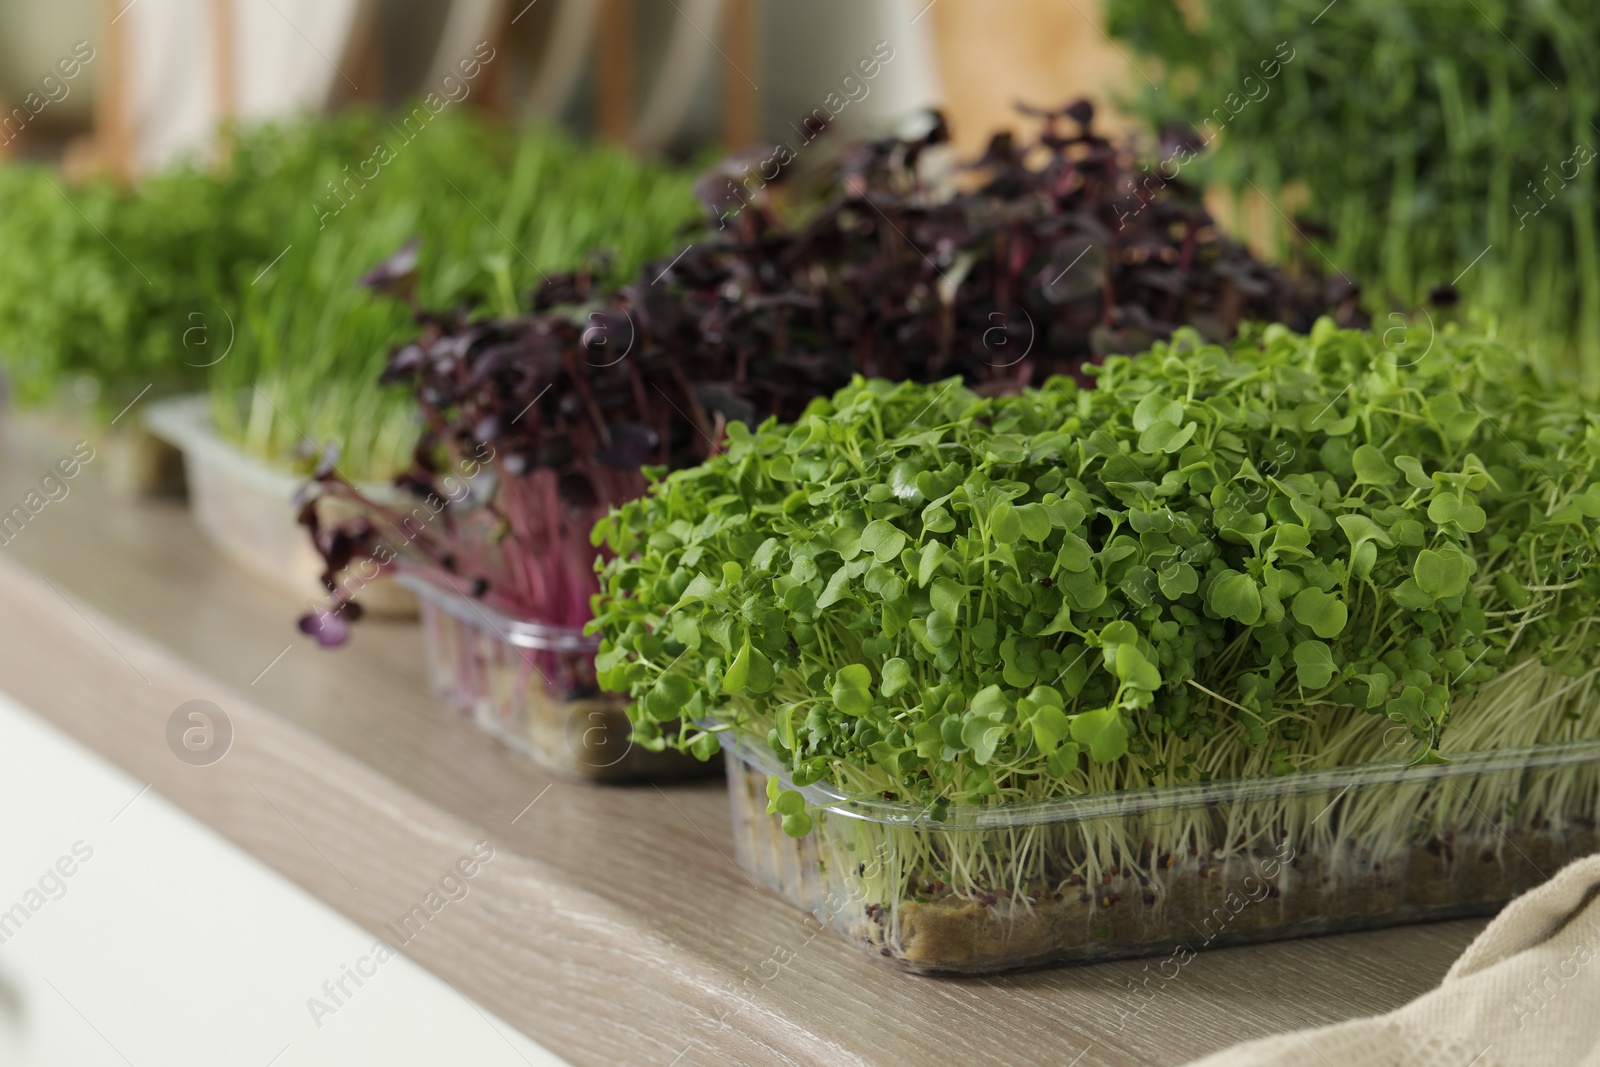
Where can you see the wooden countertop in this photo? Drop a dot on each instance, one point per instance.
(612, 925)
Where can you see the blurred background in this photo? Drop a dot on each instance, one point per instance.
(658, 76)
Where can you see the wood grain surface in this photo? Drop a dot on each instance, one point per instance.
(612, 925)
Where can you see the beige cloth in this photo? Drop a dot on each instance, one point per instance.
(1526, 992)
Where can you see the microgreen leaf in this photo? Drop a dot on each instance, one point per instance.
(1235, 596)
(1102, 732)
(739, 670)
(896, 676)
(1323, 612)
(1313, 664)
(836, 588)
(852, 689)
(1050, 728)
(947, 596)
(982, 735)
(1135, 670)
(1440, 575)
(882, 540)
(1036, 522)
(941, 628)
(668, 697)
(1004, 523)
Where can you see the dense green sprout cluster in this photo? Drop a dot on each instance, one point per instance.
(243, 273)
(1213, 563)
(496, 212)
(96, 283)
(1426, 134)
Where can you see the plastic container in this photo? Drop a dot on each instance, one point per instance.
(1170, 872)
(532, 686)
(246, 509)
(128, 460)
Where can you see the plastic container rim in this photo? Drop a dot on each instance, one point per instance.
(962, 817)
(184, 422)
(537, 636)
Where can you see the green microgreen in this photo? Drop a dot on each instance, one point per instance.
(1420, 138)
(1220, 562)
(243, 275)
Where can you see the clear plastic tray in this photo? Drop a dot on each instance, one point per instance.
(245, 508)
(533, 687)
(1170, 872)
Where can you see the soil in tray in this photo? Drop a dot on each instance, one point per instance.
(1183, 905)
